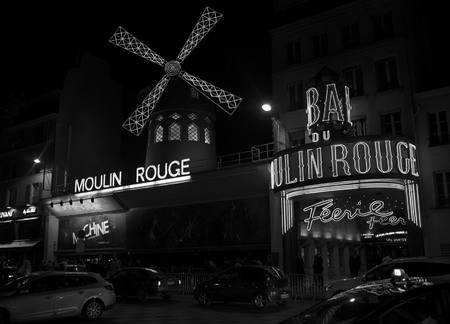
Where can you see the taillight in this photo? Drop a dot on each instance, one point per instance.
(109, 287)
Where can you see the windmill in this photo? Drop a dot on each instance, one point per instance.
(223, 99)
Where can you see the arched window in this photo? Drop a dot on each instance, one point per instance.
(175, 132)
(159, 134)
(207, 136)
(193, 132)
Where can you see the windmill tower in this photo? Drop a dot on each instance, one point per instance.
(186, 125)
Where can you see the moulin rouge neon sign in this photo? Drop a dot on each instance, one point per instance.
(348, 157)
(322, 212)
(344, 159)
(143, 174)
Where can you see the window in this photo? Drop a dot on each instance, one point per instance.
(293, 53)
(359, 127)
(159, 134)
(175, 116)
(387, 77)
(193, 133)
(12, 196)
(350, 36)
(392, 123)
(442, 183)
(192, 116)
(438, 128)
(207, 136)
(354, 81)
(32, 193)
(295, 96)
(320, 45)
(175, 132)
(382, 26)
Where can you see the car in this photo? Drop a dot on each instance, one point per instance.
(69, 267)
(401, 299)
(49, 295)
(257, 284)
(414, 266)
(7, 274)
(143, 282)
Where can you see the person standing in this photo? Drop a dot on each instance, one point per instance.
(318, 269)
(354, 263)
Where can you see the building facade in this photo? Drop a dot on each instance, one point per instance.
(377, 50)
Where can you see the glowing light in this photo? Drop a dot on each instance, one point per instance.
(266, 107)
(223, 99)
(134, 186)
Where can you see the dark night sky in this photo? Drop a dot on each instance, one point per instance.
(41, 41)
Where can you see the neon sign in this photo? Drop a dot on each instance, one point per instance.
(322, 212)
(93, 230)
(6, 214)
(151, 173)
(29, 210)
(309, 162)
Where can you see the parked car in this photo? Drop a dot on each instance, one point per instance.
(69, 267)
(260, 285)
(143, 282)
(7, 274)
(414, 266)
(396, 300)
(55, 294)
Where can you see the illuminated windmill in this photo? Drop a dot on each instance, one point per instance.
(225, 100)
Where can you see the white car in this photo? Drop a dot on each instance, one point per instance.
(414, 267)
(55, 294)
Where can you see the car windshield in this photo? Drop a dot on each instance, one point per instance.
(13, 285)
(275, 273)
(345, 307)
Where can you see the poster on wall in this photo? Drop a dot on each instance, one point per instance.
(228, 223)
(100, 232)
(365, 215)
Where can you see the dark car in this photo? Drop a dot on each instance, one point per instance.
(7, 274)
(413, 266)
(143, 282)
(396, 300)
(260, 285)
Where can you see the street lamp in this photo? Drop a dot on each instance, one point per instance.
(266, 107)
(279, 131)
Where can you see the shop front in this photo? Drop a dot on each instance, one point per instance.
(340, 193)
(187, 223)
(21, 236)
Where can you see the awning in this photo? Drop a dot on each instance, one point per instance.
(19, 244)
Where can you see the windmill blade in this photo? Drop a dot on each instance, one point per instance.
(137, 120)
(124, 39)
(206, 22)
(225, 100)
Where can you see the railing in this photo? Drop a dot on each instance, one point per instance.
(257, 153)
(303, 286)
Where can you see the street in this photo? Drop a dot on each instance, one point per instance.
(185, 309)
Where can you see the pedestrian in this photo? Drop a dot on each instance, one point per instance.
(355, 263)
(300, 265)
(318, 269)
(25, 268)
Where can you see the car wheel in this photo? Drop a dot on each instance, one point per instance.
(92, 310)
(260, 301)
(203, 298)
(141, 295)
(282, 302)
